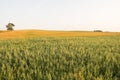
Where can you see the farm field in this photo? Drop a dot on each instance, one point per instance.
(45, 33)
(52, 55)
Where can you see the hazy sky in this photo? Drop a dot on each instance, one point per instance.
(61, 14)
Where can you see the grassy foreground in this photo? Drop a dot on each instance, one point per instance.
(60, 58)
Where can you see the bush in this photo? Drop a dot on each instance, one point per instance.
(98, 31)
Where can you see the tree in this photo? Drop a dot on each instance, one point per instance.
(10, 26)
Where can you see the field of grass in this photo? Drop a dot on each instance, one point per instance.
(44, 33)
(46, 55)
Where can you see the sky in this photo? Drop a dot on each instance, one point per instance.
(61, 14)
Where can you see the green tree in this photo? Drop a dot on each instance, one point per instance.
(10, 26)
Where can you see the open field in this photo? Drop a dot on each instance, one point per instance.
(46, 55)
(40, 33)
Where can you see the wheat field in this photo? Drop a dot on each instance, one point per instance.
(59, 55)
(40, 33)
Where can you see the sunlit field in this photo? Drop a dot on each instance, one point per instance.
(44, 33)
(59, 55)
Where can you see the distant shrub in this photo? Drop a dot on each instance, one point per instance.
(98, 31)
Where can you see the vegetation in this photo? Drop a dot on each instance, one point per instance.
(40, 33)
(98, 31)
(10, 26)
(60, 58)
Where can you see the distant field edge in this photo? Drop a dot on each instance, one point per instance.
(52, 33)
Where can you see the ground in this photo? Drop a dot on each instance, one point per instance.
(41, 33)
(59, 55)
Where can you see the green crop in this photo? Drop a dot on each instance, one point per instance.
(70, 58)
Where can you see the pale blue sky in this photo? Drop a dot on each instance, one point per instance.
(61, 14)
